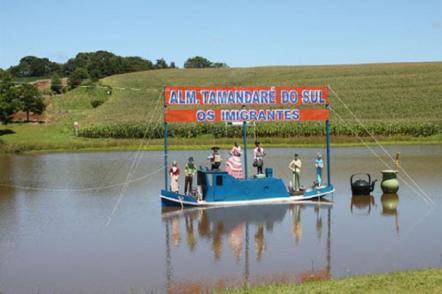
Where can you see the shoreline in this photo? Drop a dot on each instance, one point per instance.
(408, 281)
(121, 145)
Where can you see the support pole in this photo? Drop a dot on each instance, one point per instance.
(327, 138)
(244, 130)
(166, 174)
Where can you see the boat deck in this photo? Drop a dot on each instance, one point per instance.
(169, 198)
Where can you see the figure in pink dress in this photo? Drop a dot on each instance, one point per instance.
(234, 163)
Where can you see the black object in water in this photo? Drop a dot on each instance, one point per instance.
(361, 186)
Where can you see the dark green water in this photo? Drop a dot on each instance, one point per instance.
(60, 230)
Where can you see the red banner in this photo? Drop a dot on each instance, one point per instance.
(239, 115)
(210, 96)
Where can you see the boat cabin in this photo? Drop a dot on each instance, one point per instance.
(221, 186)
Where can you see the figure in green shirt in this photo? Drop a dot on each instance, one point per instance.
(189, 172)
(295, 166)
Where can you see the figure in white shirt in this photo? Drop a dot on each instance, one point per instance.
(295, 166)
(258, 155)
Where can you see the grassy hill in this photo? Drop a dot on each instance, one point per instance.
(391, 99)
(401, 92)
(395, 101)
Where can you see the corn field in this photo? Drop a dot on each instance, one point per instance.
(284, 130)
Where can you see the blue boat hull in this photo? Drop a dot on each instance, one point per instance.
(169, 198)
(218, 188)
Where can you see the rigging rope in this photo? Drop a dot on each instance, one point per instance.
(418, 190)
(89, 189)
(426, 199)
(135, 162)
(380, 145)
(94, 188)
(134, 165)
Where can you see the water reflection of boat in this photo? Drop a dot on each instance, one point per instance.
(215, 223)
(239, 226)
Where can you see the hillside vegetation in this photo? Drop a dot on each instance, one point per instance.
(397, 102)
(374, 92)
(390, 99)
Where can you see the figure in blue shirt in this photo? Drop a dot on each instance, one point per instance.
(319, 164)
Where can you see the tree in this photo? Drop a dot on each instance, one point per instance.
(161, 64)
(77, 77)
(98, 64)
(56, 84)
(201, 62)
(8, 98)
(30, 100)
(135, 63)
(32, 66)
(197, 62)
(172, 65)
(219, 65)
(101, 64)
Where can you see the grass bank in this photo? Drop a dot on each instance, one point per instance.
(420, 281)
(41, 139)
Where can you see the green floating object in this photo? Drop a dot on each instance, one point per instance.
(390, 183)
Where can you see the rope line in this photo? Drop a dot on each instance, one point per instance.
(134, 164)
(428, 201)
(90, 189)
(381, 146)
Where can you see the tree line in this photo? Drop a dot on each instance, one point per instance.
(97, 65)
(84, 66)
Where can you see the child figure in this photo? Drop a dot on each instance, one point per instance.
(215, 159)
(319, 164)
(258, 157)
(174, 173)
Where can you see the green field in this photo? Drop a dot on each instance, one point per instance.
(396, 102)
(421, 281)
(400, 92)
